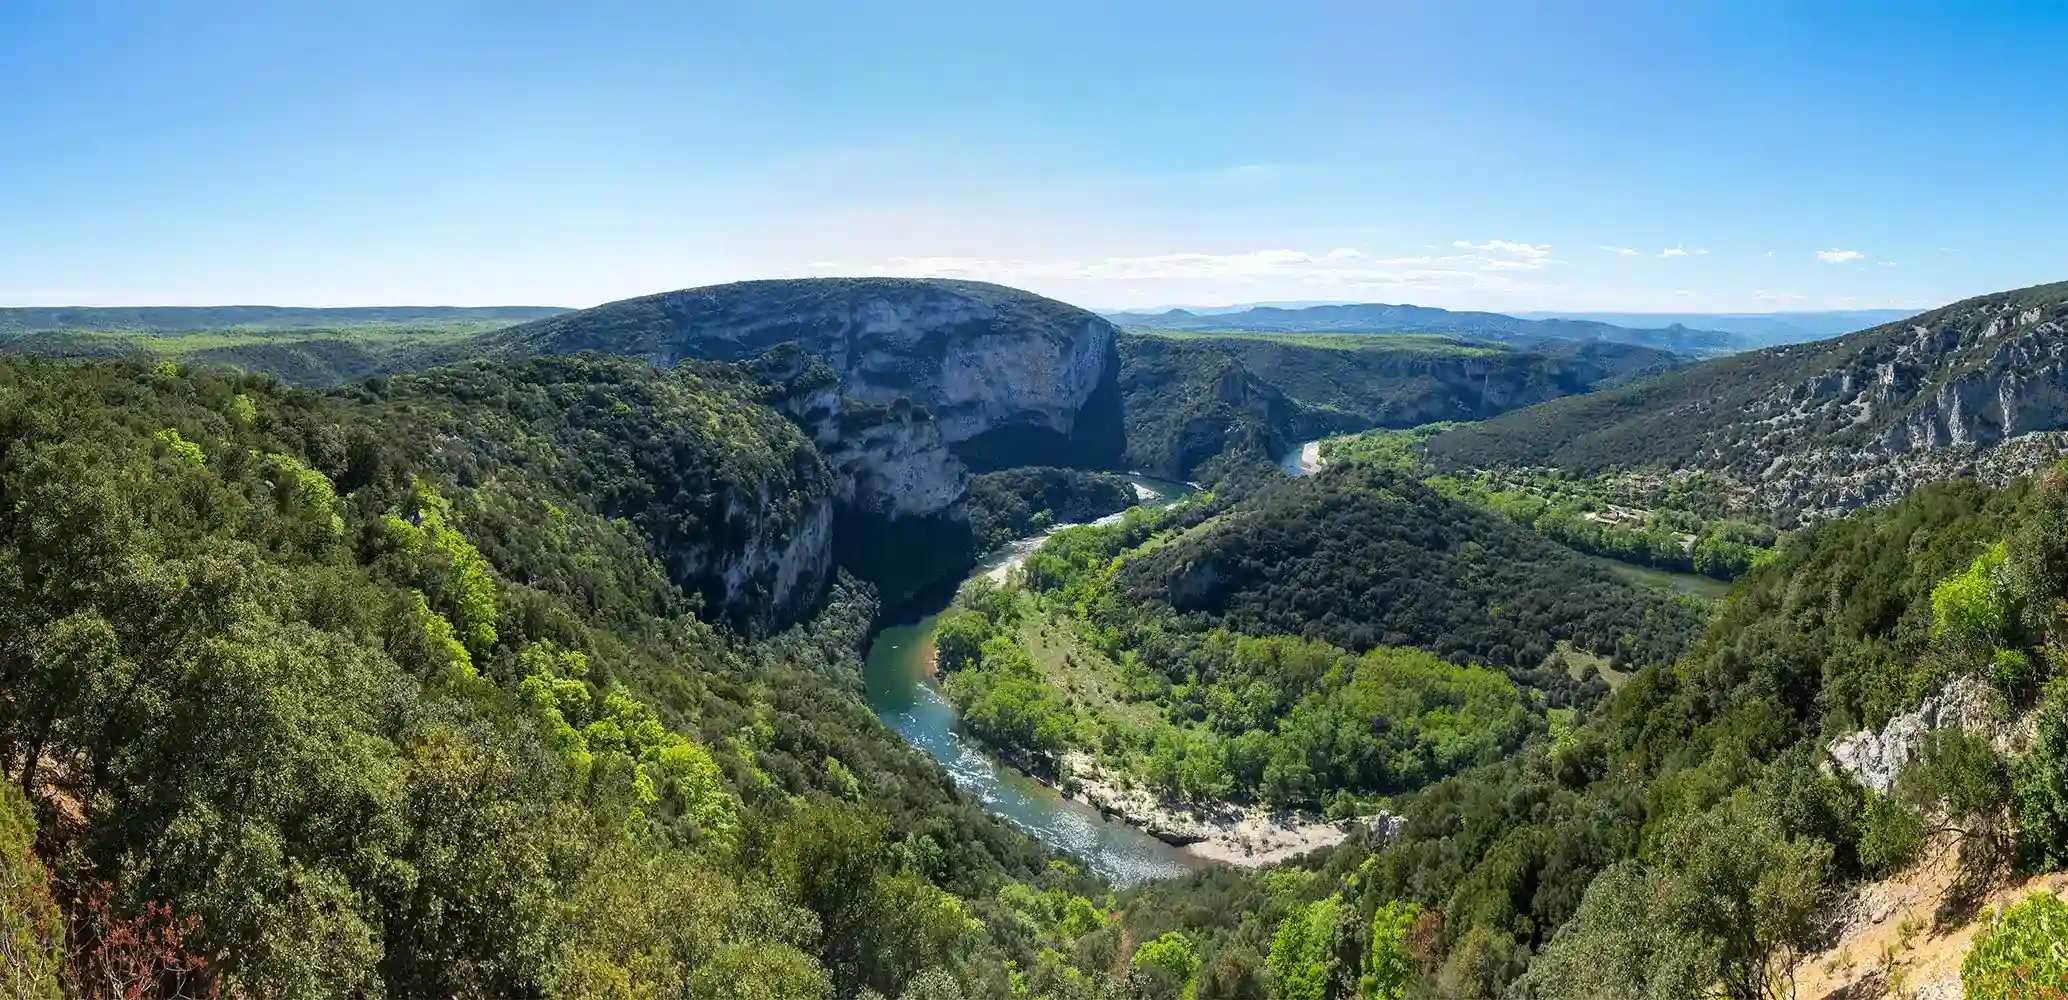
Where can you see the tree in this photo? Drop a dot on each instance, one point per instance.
(2022, 954)
(1968, 608)
(1173, 955)
(1300, 951)
(31, 929)
(2040, 787)
(1729, 899)
(958, 640)
(1958, 774)
(1390, 966)
(1236, 973)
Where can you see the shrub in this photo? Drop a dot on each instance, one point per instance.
(2022, 954)
(1968, 611)
(1890, 837)
(31, 931)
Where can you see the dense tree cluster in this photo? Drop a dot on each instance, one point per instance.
(1015, 503)
(1362, 557)
(1282, 720)
(318, 696)
(1183, 701)
(1680, 522)
(1677, 842)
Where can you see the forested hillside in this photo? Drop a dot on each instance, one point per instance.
(1015, 503)
(1364, 557)
(1243, 650)
(1814, 429)
(1684, 841)
(316, 696)
(1682, 521)
(1199, 404)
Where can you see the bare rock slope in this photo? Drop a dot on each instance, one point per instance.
(1979, 387)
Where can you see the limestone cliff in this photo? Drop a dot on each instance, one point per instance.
(915, 382)
(1979, 387)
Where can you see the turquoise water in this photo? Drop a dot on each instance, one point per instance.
(1290, 462)
(902, 693)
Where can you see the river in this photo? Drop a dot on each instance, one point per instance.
(901, 691)
(1303, 460)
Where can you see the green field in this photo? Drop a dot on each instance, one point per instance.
(315, 355)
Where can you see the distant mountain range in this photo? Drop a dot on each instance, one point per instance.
(1768, 329)
(183, 319)
(1701, 334)
(1483, 326)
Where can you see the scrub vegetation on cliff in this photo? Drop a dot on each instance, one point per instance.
(1820, 428)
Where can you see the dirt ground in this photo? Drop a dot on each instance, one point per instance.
(1906, 937)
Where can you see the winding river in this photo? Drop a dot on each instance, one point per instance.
(902, 693)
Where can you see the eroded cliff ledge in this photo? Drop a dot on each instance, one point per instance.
(904, 385)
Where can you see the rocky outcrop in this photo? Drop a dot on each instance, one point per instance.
(911, 384)
(771, 571)
(1979, 388)
(1815, 430)
(1007, 377)
(1874, 758)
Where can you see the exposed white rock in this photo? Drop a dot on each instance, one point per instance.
(1875, 758)
(963, 359)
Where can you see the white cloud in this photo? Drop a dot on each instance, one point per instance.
(1769, 253)
(1527, 251)
(1624, 251)
(1673, 252)
(1485, 267)
(1886, 263)
(1840, 256)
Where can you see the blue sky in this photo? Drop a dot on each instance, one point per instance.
(1647, 156)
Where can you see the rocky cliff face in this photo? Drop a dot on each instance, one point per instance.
(1813, 430)
(909, 385)
(1979, 388)
(1873, 759)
